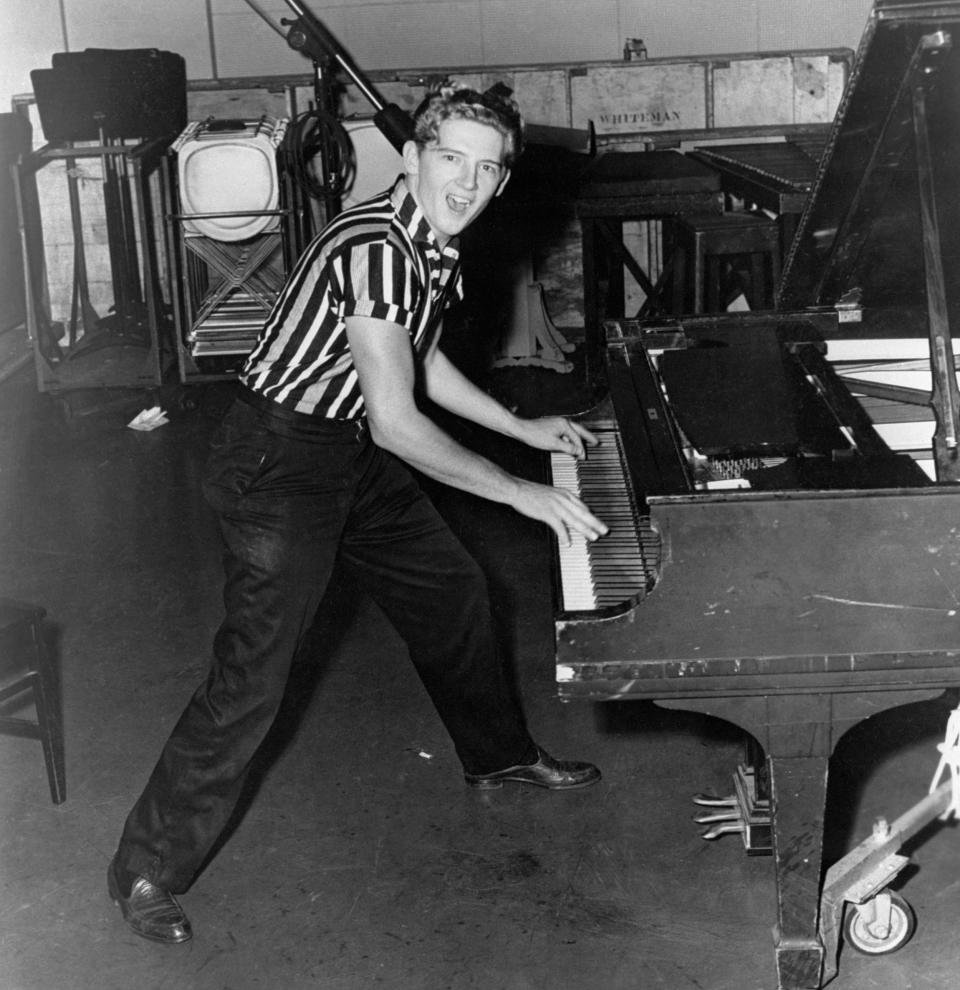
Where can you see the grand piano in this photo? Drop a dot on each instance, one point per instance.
(772, 560)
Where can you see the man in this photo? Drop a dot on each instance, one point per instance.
(307, 471)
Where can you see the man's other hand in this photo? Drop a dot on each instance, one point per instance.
(558, 434)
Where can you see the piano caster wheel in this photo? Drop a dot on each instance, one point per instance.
(883, 924)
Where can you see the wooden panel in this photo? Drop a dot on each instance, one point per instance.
(542, 96)
(541, 93)
(640, 97)
(663, 96)
(784, 89)
(237, 103)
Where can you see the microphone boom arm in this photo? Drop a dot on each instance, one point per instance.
(308, 35)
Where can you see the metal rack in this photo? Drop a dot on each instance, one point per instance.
(223, 290)
(129, 347)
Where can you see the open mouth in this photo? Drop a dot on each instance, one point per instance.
(457, 204)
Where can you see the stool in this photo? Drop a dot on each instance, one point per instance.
(710, 238)
(623, 186)
(26, 668)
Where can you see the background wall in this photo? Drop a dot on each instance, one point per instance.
(225, 38)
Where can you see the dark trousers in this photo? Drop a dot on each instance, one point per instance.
(289, 508)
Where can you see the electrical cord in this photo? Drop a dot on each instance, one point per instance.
(310, 130)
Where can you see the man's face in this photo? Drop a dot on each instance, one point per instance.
(455, 178)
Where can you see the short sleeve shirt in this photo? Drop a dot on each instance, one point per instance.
(379, 259)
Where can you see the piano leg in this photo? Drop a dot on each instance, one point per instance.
(798, 732)
(798, 789)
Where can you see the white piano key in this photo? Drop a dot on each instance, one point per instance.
(612, 569)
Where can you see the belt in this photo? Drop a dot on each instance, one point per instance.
(300, 426)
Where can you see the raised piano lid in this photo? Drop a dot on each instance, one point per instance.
(860, 235)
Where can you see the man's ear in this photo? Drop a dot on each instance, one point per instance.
(411, 157)
(503, 183)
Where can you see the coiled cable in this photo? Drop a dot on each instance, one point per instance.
(310, 132)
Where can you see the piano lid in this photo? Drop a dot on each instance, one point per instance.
(860, 235)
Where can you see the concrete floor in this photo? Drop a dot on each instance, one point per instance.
(360, 860)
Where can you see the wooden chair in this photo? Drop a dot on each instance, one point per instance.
(26, 674)
(704, 242)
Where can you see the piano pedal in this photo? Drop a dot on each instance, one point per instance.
(710, 801)
(723, 829)
(743, 813)
(723, 816)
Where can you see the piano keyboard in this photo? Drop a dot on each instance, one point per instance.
(624, 563)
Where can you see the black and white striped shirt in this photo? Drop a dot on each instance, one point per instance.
(379, 259)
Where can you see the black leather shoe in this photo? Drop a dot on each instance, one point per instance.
(557, 775)
(150, 911)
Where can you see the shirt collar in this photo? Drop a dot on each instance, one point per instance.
(415, 223)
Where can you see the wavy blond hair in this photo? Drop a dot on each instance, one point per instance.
(497, 110)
